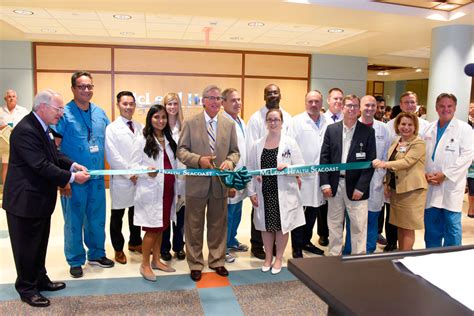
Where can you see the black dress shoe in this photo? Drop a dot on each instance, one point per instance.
(196, 275)
(52, 286)
(181, 255)
(390, 247)
(76, 272)
(323, 241)
(297, 253)
(258, 253)
(166, 256)
(313, 249)
(222, 271)
(36, 300)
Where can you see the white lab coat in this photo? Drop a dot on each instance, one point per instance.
(382, 144)
(241, 194)
(289, 197)
(149, 191)
(453, 157)
(119, 141)
(310, 138)
(257, 126)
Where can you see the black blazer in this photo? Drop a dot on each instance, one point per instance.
(35, 170)
(331, 152)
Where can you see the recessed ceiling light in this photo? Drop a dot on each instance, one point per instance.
(446, 6)
(419, 70)
(302, 43)
(23, 12)
(256, 24)
(335, 31)
(383, 73)
(213, 23)
(122, 16)
(127, 33)
(298, 1)
(236, 38)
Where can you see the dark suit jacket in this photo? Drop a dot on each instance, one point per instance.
(35, 170)
(331, 152)
(194, 143)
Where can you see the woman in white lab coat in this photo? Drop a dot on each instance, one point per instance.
(276, 199)
(172, 104)
(154, 198)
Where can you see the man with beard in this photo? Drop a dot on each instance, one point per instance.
(256, 129)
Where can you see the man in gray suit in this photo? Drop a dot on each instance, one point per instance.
(207, 140)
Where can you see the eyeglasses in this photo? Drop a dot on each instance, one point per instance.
(270, 121)
(213, 98)
(351, 106)
(83, 87)
(57, 108)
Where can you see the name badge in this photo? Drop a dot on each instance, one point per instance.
(360, 155)
(402, 149)
(51, 136)
(450, 148)
(93, 148)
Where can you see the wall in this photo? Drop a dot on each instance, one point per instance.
(345, 72)
(151, 72)
(16, 70)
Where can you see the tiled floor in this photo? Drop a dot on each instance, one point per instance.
(245, 270)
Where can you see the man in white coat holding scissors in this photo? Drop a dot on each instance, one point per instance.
(119, 138)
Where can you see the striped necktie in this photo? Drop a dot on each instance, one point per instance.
(212, 136)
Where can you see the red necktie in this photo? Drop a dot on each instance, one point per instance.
(130, 125)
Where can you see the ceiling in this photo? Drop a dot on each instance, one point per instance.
(387, 34)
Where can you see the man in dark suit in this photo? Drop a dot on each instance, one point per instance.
(344, 142)
(30, 191)
(207, 140)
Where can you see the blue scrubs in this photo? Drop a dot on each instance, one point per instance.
(84, 213)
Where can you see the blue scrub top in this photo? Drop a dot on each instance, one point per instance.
(82, 130)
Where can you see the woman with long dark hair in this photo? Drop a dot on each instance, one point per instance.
(154, 198)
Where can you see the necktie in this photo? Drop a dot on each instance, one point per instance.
(130, 125)
(334, 117)
(212, 136)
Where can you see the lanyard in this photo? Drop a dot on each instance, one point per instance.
(89, 128)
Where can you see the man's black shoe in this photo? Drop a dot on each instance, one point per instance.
(390, 247)
(297, 253)
(76, 272)
(52, 286)
(36, 300)
(181, 255)
(323, 241)
(313, 249)
(166, 256)
(258, 253)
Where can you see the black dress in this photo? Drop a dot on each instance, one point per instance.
(270, 191)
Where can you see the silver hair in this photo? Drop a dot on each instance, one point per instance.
(44, 97)
(209, 88)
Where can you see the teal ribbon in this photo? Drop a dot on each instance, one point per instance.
(239, 178)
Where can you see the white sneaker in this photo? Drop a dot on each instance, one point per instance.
(229, 258)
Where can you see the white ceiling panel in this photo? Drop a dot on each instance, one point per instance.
(109, 16)
(165, 35)
(270, 40)
(87, 24)
(37, 22)
(166, 27)
(73, 15)
(88, 32)
(168, 19)
(48, 30)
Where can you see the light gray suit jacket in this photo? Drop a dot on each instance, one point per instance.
(194, 143)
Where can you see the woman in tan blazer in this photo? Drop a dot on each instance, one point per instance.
(405, 181)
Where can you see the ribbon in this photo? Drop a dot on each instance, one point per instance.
(239, 178)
